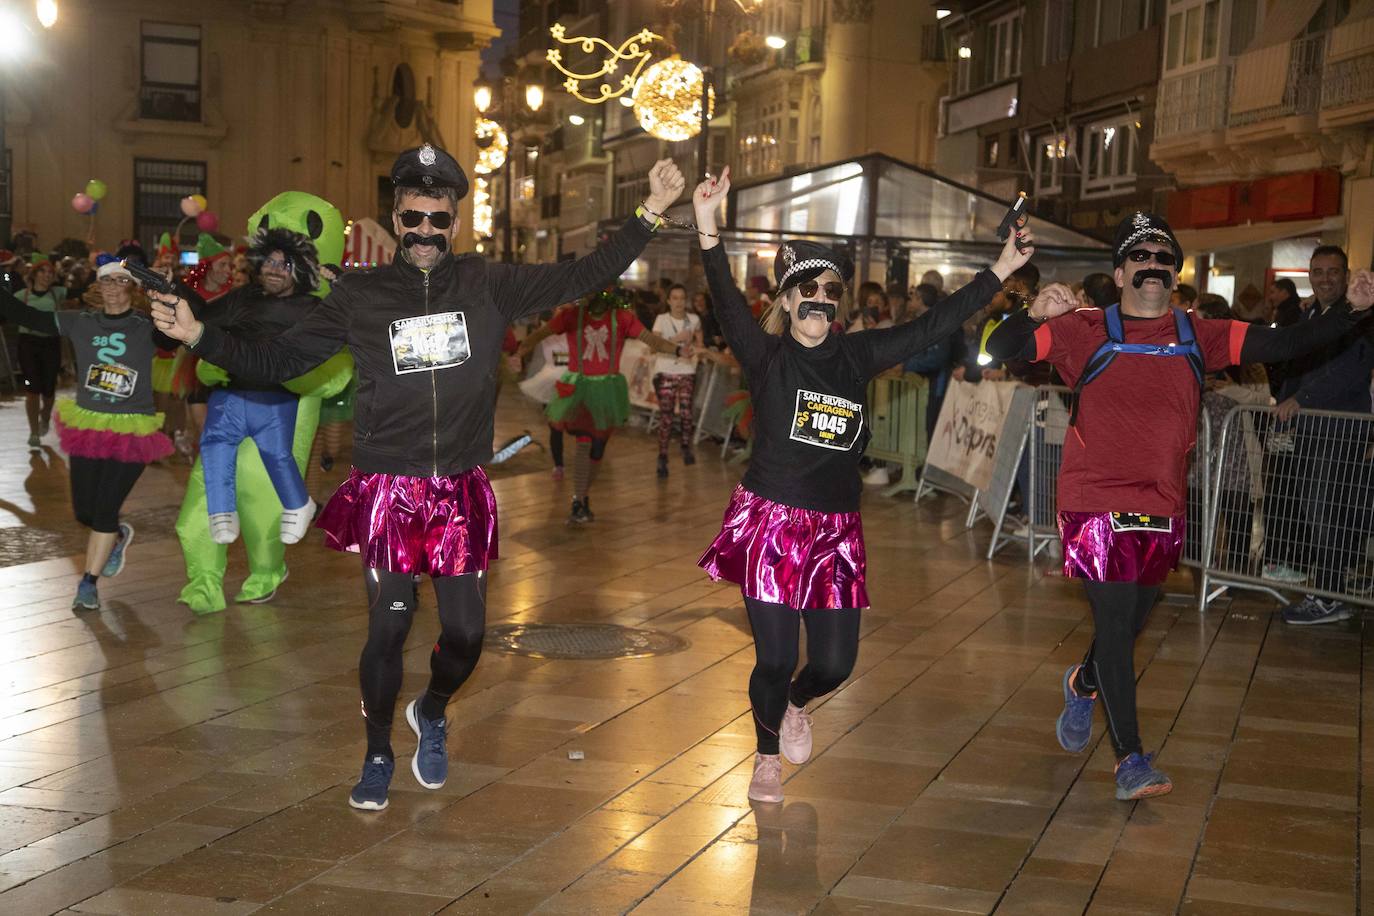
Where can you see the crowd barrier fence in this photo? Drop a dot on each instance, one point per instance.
(897, 425)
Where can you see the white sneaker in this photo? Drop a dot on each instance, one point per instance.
(795, 735)
(766, 786)
(877, 477)
(296, 522)
(224, 527)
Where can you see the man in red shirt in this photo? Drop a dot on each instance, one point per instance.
(592, 399)
(1136, 368)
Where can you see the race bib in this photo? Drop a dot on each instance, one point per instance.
(111, 380)
(1134, 521)
(827, 421)
(428, 342)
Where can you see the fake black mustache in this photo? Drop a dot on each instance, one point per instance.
(807, 307)
(1163, 276)
(412, 239)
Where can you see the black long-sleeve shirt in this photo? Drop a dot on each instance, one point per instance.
(426, 347)
(810, 402)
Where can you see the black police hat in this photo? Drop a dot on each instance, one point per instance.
(429, 167)
(800, 260)
(1143, 227)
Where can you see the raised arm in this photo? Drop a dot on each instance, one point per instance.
(742, 333)
(520, 290)
(267, 362)
(1273, 345)
(1015, 337)
(887, 347)
(12, 309)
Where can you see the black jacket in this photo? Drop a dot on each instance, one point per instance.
(250, 314)
(427, 348)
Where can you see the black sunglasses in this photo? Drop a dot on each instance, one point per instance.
(833, 290)
(413, 218)
(1162, 258)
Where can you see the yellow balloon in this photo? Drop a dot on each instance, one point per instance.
(200, 200)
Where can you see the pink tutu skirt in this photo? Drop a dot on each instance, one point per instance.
(134, 438)
(784, 555)
(441, 526)
(1095, 550)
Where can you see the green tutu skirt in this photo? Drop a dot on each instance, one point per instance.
(593, 405)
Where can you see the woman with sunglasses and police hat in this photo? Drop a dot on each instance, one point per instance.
(791, 537)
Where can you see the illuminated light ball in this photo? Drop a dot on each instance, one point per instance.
(667, 100)
(492, 145)
(82, 203)
(207, 221)
(46, 10)
(95, 189)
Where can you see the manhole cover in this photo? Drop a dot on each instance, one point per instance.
(581, 640)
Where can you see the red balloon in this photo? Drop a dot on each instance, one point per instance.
(207, 221)
(82, 202)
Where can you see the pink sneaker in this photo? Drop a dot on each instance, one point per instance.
(557, 473)
(795, 734)
(766, 786)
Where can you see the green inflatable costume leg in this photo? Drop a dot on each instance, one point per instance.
(259, 518)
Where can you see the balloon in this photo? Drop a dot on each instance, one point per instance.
(200, 201)
(95, 189)
(192, 206)
(207, 221)
(82, 203)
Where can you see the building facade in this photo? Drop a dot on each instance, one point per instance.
(237, 101)
(1056, 98)
(1266, 118)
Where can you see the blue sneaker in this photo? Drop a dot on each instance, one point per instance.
(430, 763)
(115, 564)
(370, 792)
(1075, 726)
(87, 597)
(1136, 778)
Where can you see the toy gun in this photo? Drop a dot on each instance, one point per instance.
(1012, 220)
(151, 279)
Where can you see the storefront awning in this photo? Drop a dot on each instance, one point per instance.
(1206, 241)
(879, 198)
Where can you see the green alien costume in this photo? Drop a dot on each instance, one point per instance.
(258, 507)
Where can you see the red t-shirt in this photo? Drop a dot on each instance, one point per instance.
(599, 355)
(1137, 421)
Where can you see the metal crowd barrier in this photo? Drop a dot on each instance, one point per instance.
(715, 382)
(1290, 506)
(897, 425)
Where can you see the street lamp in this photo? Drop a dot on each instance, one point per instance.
(511, 116)
(776, 42)
(46, 11)
(534, 96)
(481, 97)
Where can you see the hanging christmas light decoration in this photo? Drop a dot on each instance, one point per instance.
(492, 146)
(667, 100)
(630, 53)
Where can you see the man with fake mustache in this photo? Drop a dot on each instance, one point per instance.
(426, 334)
(1136, 368)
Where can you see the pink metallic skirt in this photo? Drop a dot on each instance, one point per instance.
(1094, 550)
(783, 555)
(442, 526)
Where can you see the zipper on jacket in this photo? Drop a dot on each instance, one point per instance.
(434, 399)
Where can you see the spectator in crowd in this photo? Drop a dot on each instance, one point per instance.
(1183, 296)
(1328, 452)
(710, 327)
(898, 303)
(1100, 290)
(1287, 305)
(936, 362)
(1252, 307)
(935, 279)
(1018, 289)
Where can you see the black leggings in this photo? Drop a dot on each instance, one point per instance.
(1120, 610)
(556, 446)
(40, 360)
(99, 488)
(392, 599)
(832, 645)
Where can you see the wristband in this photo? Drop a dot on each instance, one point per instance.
(644, 213)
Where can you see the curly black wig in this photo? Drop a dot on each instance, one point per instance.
(298, 249)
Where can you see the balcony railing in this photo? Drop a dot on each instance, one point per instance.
(809, 48)
(1193, 102)
(1303, 89)
(1349, 81)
